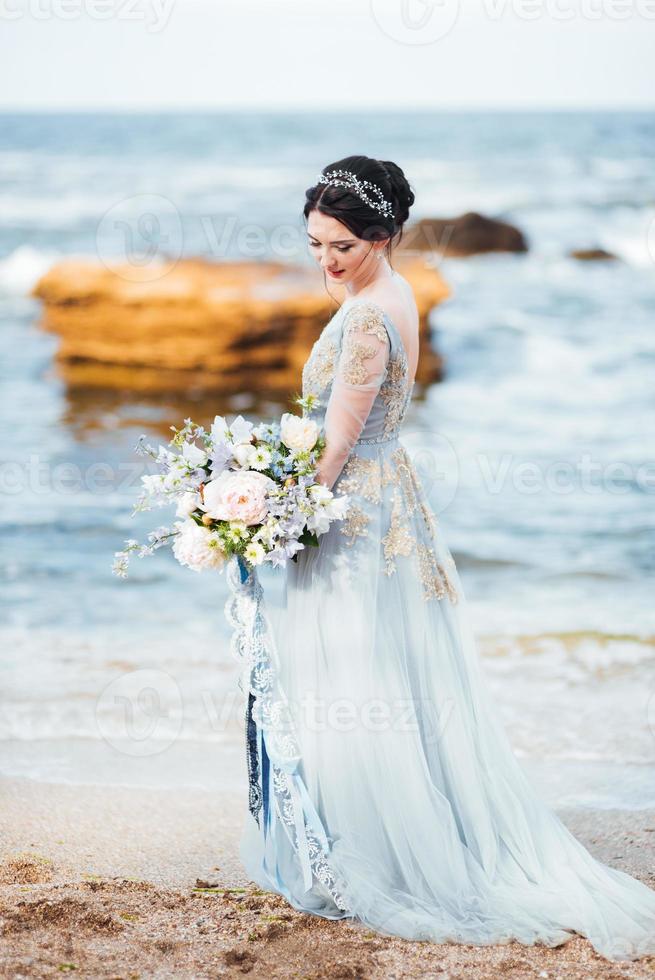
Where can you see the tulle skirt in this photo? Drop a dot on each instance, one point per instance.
(383, 786)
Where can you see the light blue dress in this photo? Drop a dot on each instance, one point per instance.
(382, 786)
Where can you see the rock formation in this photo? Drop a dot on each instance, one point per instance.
(229, 327)
(467, 234)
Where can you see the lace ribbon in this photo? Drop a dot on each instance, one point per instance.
(272, 749)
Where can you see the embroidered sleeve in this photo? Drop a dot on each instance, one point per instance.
(360, 371)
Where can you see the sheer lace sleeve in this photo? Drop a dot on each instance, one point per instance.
(359, 373)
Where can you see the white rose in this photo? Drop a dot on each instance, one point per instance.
(297, 433)
(187, 503)
(243, 454)
(197, 547)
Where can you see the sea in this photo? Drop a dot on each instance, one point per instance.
(537, 446)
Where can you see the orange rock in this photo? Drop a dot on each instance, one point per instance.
(229, 326)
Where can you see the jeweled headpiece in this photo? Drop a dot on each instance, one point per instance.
(363, 189)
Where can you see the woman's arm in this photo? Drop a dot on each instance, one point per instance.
(360, 370)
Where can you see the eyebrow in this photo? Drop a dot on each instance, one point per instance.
(337, 241)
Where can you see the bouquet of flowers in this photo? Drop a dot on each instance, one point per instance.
(239, 489)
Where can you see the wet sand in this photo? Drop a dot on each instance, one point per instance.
(125, 882)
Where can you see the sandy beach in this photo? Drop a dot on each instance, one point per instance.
(112, 882)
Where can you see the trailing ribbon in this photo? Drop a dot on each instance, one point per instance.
(272, 750)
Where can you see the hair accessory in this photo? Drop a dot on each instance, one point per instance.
(353, 183)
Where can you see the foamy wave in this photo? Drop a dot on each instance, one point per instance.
(20, 270)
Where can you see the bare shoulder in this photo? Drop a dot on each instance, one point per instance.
(395, 297)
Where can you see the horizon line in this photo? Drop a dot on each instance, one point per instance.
(338, 110)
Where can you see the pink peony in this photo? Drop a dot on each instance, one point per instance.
(238, 495)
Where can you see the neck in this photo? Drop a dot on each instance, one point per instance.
(380, 270)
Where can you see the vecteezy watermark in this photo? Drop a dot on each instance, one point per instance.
(437, 468)
(438, 471)
(564, 476)
(37, 476)
(312, 713)
(141, 237)
(155, 14)
(415, 21)
(418, 22)
(143, 234)
(140, 713)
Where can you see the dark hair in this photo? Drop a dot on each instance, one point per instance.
(347, 207)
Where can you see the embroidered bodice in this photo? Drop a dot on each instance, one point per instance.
(361, 351)
(358, 369)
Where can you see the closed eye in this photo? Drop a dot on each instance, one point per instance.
(342, 248)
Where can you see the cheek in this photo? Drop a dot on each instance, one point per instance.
(351, 259)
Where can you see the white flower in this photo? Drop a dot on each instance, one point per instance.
(194, 455)
(268, 532)
(239, 431)
(243, 454)
(237, 531)
(298, 434)
(260, 458)
(329, 507)
(197, 547)
(187, 502)
(337, 508)
(320, 494)
(218, 431)
(238, 495)
(254, 553)
(176, 476)
(153, 483)
(318, 522)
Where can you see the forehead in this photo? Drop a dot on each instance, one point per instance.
(326, 228)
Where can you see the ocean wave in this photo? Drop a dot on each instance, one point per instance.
(20, 270)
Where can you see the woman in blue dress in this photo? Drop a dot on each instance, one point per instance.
(382, 786)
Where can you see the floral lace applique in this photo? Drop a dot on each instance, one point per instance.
(398, 540)
(434, 577)
(362, 476)
(394, 391)
(319, 368)
(406, 477)
(355, 524)
(362, 319)
(366, 318)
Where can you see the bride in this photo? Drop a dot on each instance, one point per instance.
(382, 786)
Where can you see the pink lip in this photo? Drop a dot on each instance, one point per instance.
(340, 273)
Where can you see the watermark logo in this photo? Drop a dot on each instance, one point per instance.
(140, 713)
(143, 234)
(154, 14)
(415, 21)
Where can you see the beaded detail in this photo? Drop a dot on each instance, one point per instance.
(362, 476)
(376, 439)
(407, 478)
(398, 540)
(434, 577)
(353, 368)
(319, 369)
(394, 391)
(365, 318)
(355, 523)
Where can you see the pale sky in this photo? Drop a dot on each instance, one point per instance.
(168, 54)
